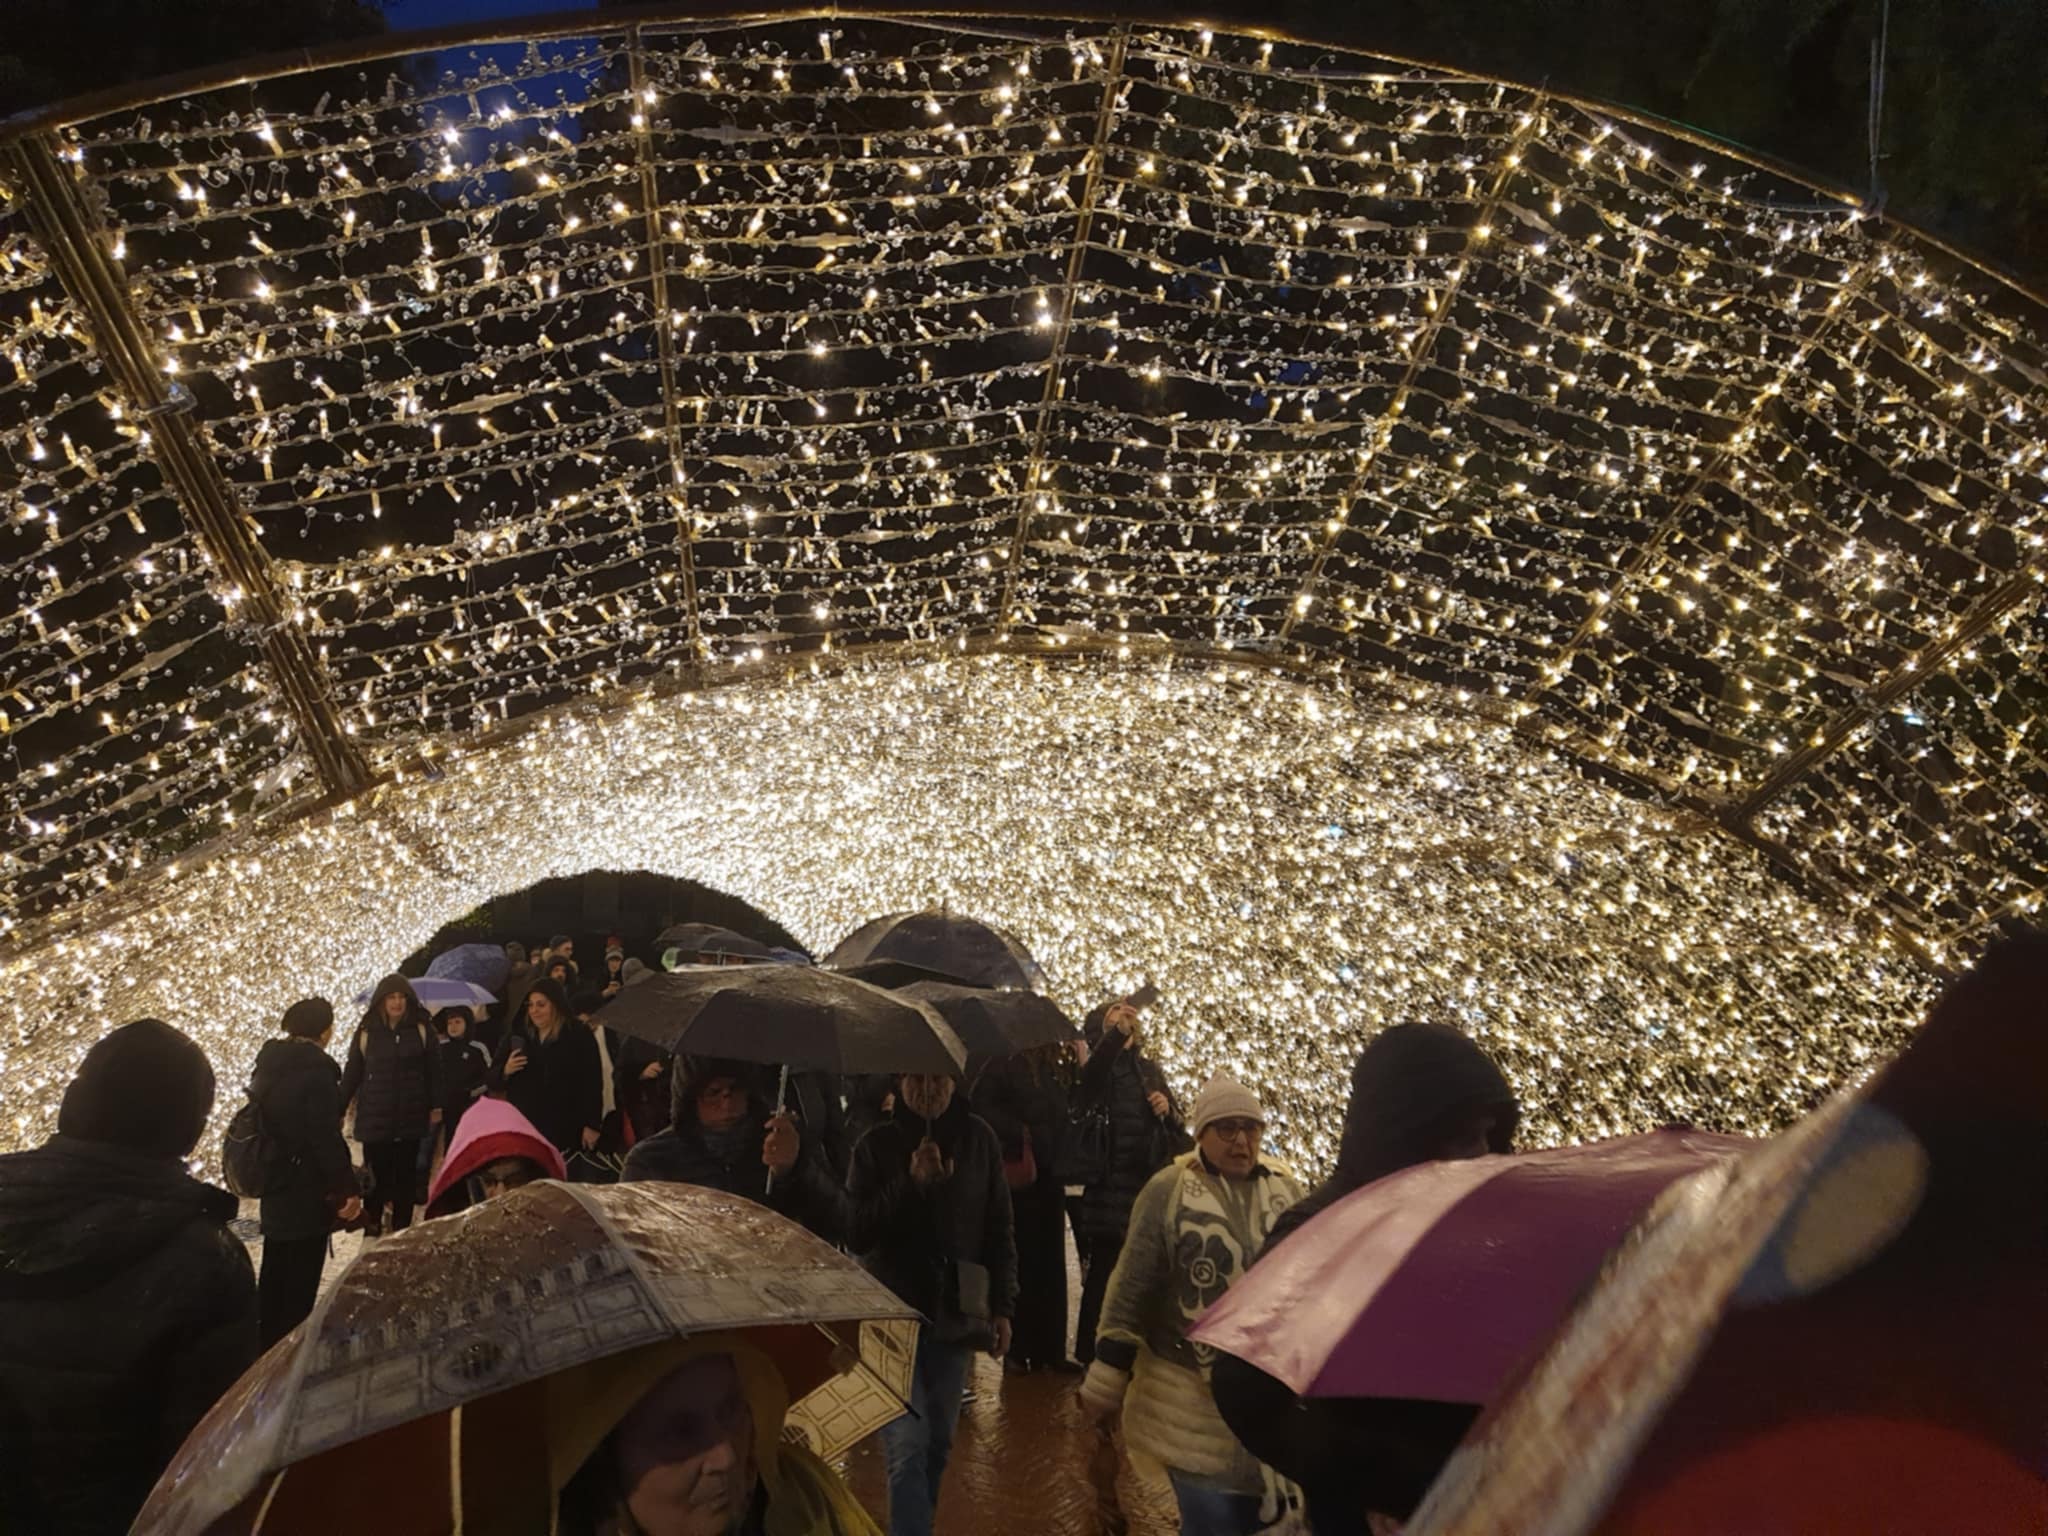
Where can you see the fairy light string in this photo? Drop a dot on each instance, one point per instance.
(1295, 867)
(1437, 383)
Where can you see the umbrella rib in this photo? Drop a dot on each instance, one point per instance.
(455, 1469)
(269, 1498)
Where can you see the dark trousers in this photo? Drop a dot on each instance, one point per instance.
(394, 1165)
(1098, 1261)
(1041, 1322)
(289, 1284)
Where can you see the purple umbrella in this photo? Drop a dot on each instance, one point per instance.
(1438, 1281)
(486, 965)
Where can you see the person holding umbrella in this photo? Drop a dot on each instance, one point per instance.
(1194, 1230)
(699, 1452)
(929, 1214)
(724, 1134)
(393, 1079)
(1419, 1093)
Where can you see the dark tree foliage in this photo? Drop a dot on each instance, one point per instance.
(51, 49)
(1965, 134)
(1965, 141)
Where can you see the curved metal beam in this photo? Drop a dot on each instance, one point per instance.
(1419, 357)
(77, 246)
(656, 256)
(1084, 222)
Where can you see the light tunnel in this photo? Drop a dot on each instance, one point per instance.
(1349, 540)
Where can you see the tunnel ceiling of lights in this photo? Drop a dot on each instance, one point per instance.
(358, 416)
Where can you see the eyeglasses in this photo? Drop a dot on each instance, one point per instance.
(1230, 1130)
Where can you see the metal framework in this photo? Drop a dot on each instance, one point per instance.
(876, 534)
(665, 344)
(1421, 355)
(1063, 329)
(78, 247)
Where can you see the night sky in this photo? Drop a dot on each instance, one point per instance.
(413, 15)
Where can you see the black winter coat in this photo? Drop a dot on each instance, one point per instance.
(681, 1155)
(297, 1089)
(908, 1236)
(393, 1077)
(126, 1308)
(561, 1089)
(1014, 1096)
(1140, 1143)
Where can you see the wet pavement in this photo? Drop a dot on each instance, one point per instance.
(1021, 1458)
(1021, 1463)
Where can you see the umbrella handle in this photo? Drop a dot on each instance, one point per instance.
(781, 1099)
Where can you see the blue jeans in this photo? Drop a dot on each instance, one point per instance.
(916, 1445)
(1209, 1510)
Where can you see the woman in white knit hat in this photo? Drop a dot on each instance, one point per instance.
(1195, 1229)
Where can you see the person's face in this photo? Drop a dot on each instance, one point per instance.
(1470, 1136)
(541, 1010)
(507, 1173)
(394, 1006)
(720, 1104)
(559, 970)
(685, 1453)
(1232, 1146)
(614, 963)
(928, 1095)
(456, 1026)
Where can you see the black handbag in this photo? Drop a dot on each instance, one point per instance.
(1084, 1148)
(964, 1309)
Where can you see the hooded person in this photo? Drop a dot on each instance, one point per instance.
(550, 1071)
(465, 1063)
(1419, 1093)
(498, 1148)
(309, 1184)
(724, 1134)
(126, 1305)
(393, 1078)
(686, 1439)
(1195, 1229)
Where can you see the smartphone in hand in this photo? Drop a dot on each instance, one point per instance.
(1144, 997)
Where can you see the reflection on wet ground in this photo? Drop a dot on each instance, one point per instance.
(1020, 1461)
(1020, 1464)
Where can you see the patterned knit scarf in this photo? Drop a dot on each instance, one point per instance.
(1218, 1226)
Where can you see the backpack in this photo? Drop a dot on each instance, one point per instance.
(247, 1151)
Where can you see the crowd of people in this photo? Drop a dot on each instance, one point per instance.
(127, 1307)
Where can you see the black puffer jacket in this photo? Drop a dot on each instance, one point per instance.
(393, 1076)
(297, 1089)
(682, 1155)
(907, 1236)
(126, 1308)
(1140, 1143)
(1352, 1456)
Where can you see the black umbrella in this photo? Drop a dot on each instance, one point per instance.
(898, 974)
(979, 953)
(993, 1024)
(786, 1015)
(694, 939)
